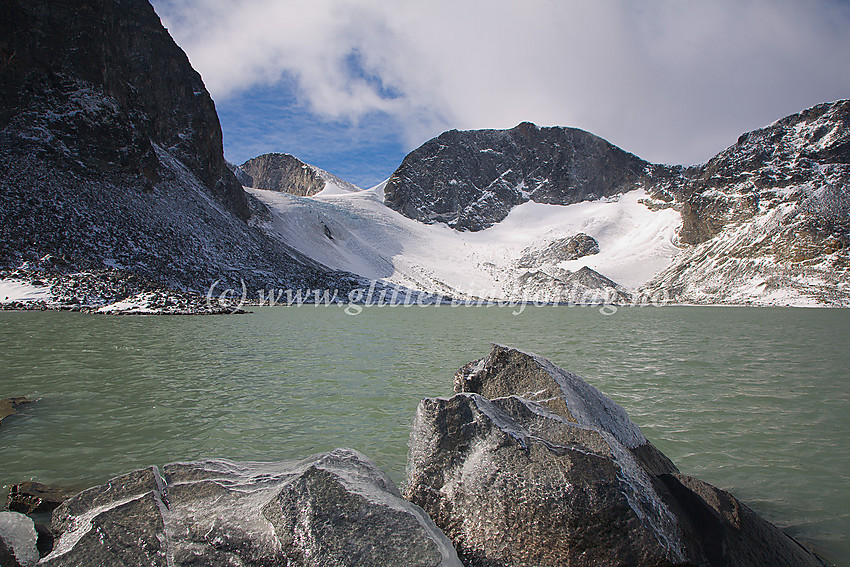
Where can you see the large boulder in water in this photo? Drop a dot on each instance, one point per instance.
(332, 509)
(530, 465)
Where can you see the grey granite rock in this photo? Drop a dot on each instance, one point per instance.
(17, 540)
(550, 472)
(334, 509)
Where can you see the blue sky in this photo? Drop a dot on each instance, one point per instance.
(271, 118)
(351, 86)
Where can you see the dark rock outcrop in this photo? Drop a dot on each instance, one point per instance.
(334, 509)
(104, 81)
(35, 498)
(111, 160)
(8, 406)
(530, 465)
(288, 174)
(560, 250)
(471, 180)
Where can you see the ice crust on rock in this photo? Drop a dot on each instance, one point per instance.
(17, 532)
(336, 508)
(527, 464)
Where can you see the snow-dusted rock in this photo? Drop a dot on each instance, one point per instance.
(559, 250)
(472, 179)
(288, 174)
(768, 219)
(17, 540)
(550, 472)
(331, 509)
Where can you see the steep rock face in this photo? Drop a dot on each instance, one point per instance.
(768, 219)
(331, 509)
(106, 80)
(550, 472)
(111, 160)
(288, 174)
(471, 180)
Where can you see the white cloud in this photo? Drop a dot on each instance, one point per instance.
(672, 81)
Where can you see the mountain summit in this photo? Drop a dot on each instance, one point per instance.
(472, 179)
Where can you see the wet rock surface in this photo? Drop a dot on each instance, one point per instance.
(8, 406)
(31, 497)
(529, 465)
(331, 509)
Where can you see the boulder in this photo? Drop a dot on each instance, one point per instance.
(530, 465)
(35, 498)
(331, 509)
(8, 406)
(17, 540)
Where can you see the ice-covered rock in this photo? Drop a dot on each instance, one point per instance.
(549, 472)
(17, 540)
(331, 509)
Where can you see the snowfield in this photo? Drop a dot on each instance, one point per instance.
(356, 232)
(14, 290)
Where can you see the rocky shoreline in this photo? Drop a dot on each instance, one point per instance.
(527, 464)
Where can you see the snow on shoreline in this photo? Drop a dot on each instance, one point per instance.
(14, 290)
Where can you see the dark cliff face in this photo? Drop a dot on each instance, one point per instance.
(111, 159)
(470, 180)
(101, 81)
(284, 173)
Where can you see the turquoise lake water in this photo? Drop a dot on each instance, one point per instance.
(755, 401)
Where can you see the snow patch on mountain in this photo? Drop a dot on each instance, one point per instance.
(356, 232)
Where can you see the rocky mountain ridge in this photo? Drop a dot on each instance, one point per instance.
(766, 221)
(472, 179)
(111, 162)
(769, 217)
(288, 174)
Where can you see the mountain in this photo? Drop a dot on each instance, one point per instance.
(287, 173)
(768, 219)
(470, 180)
(111, 162)
(558, 214)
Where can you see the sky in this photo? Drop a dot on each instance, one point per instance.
(352, 86)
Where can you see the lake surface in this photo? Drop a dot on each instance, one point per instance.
(755, 401)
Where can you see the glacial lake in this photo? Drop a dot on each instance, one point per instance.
(752, 400)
